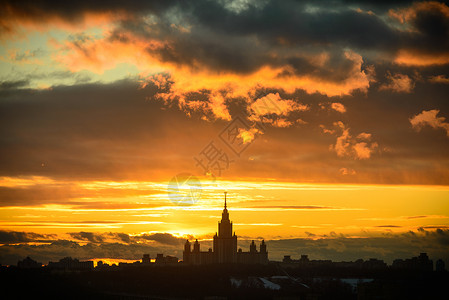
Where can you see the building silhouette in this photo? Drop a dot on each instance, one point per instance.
(420, 263)
(359, 264)
(146, 260)
(70, 264)
(224, 247)
(161, 259)
(28, 263)
(439, 266)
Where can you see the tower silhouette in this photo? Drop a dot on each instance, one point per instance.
(224, 247)
(225, 243)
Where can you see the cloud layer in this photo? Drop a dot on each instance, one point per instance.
(333, 246)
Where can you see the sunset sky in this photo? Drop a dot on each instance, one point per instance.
(327, 122)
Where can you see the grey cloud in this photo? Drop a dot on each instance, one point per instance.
(39, 10)
(12, 85)
(388, 247)
(271, 34)
(433, 25)
(335, 246)
(95, 237)
(123, 237)
(281, 34)
(12, 237)
(295, 23)
(10, 254)
(163, 238)
(114, 245)
(87, 236)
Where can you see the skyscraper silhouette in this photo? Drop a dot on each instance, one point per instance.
(224, 247)
(225, 243)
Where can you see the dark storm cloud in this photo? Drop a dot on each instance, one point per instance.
(295, 22)
(277, 35)
(246, 40)
(220, 38)
(433, 26)
(73, 11)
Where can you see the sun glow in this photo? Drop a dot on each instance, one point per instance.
(280, 208)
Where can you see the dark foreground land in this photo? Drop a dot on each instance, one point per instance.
(220, 282)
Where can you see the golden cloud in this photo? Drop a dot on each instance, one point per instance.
(359, 147)
(429, 118)
(338, 107)
(101, 54)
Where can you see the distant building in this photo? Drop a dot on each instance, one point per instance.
(304, 261)
(287, 259)
(374, 264)
(70, 264)
(161, 259)
(102, 265)
(439, 266)
(420, 263)
(28, 263)
(146, 259)
(224, 248)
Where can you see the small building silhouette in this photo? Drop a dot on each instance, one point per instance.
(439, 266)
(360, 264)
(161, 259)
(28, 263)
(146, 259)
(420, 263)
(70, 264)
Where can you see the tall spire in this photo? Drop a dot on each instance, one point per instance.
(225, 214)
(225, 198)
(225, 225)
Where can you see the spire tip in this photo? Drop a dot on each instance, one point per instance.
(225, 199)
